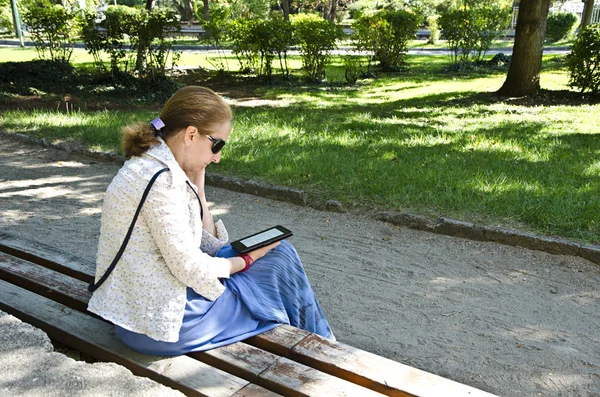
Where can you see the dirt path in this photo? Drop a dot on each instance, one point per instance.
(507, 320)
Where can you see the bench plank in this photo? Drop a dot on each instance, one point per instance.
(277, 373)
(97, 339)
(47, 256)
(56, 286)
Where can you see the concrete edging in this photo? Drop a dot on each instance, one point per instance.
(443, 225)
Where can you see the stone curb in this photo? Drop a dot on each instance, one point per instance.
(443, 225)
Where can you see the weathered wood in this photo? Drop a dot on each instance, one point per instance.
(97, 339)
(280, 340)
(277, 373)
(56, 286)
(238, 359)
(375, 372)
(47, 256)
(290, 378)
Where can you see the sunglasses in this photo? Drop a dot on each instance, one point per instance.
(217, 144)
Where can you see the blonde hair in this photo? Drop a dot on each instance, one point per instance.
(190, 106)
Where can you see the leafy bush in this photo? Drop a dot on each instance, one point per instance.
(148, 34)
(353, 68)
(386, 34)
(256, 43)
(473, 26)
(6, 23)
(583, 61)
(32, 77)
(52, 28)
(316, 38)
(434, 28)
(560, 25)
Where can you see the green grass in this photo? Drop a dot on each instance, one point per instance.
(424, 141)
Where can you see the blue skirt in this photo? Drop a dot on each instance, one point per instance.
(273, 291)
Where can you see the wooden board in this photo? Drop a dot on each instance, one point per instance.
(47, 256)
(97, 339)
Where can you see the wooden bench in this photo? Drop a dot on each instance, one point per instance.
(47, 288)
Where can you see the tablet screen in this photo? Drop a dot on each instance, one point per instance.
(268, 234)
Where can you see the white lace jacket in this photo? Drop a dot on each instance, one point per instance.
(167, 252)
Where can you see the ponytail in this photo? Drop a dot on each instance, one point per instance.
(137, 138)
(189, 106)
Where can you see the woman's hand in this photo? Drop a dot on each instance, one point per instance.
(237, 263)
(259, 253)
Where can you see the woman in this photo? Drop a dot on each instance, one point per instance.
(177, 288)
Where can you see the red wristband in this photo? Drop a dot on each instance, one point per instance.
(248, 261)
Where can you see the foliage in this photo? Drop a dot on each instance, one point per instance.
(249, 9)
(560, 25)
(146, 31)
(154, 44)
(434, 28)
(257, 42)
(52, 28)
(584, 60)
(353, 68)
(6, 22)
(386, 34)
(33, 77)
(316, 38)
(216, 26)
(472, 26)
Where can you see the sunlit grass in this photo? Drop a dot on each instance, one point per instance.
(424, 140)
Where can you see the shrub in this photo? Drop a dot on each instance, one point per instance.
(52, 28)
(153, 42)
(147, 31)
(353, 68)
(434, 28)
(316, 38)
(472, 27)
(6, 23)
(256, 43)
(583, 61)
(386, 34)
(560, 25)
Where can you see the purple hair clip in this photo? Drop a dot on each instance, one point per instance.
(158, 125)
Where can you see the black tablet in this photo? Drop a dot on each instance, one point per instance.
(261, 239)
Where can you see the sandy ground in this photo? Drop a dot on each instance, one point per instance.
(507, 320)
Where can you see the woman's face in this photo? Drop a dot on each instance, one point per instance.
(200, 149)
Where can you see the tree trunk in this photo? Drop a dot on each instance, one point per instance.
(150, 4)
(333, 10)
(206, 11)
(286, 10)
(524, 74)
(588, 10)
(188, 10)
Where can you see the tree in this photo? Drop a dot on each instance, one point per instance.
(586, 18)
(524, 74)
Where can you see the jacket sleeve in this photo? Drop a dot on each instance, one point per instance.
(212, 244)
(164, 212)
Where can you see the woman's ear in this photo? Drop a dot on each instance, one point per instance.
(190, 135)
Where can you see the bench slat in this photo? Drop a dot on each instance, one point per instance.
(97, 339)
(56, 286)
(47, 256)
(279, 374)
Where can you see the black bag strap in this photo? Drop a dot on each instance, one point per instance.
(94, 286)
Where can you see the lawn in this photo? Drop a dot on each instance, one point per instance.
(425, 140)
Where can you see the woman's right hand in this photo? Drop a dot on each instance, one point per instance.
(259, 253)
(237, 263)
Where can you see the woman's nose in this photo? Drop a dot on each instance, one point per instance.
(216, 157)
